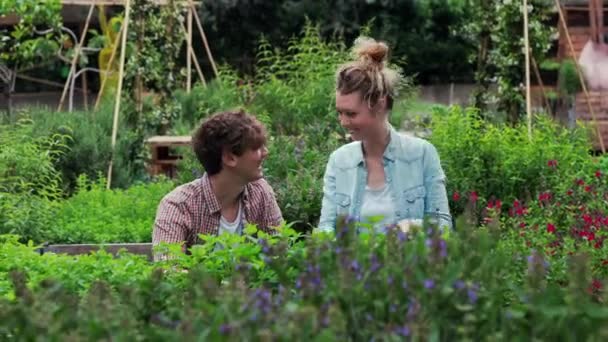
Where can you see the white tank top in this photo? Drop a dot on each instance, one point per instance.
(378, 202)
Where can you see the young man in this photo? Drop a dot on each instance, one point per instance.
(231, 146)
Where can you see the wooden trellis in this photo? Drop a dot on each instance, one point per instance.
(123, 34)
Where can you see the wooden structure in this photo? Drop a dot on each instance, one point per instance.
(163, 157)
(583, 23)
(112, 248)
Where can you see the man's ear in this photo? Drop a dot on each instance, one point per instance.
(228, 158)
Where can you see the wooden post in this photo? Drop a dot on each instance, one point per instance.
(119, 90)
(107, 71)
(580, 75)
(75, 58)
(195, 60)
(188, 55)
(205, 43)
(527, 56)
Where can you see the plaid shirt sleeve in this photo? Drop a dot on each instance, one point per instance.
(173, 221)
(274, 217)
(266, 211)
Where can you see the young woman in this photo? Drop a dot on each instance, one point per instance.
(382, 173)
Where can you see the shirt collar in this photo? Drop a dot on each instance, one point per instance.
(212, 204)
(389, 152)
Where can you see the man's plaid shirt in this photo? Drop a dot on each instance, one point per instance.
(193, 209)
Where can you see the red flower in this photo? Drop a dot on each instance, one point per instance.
(587, 188)
(595, 286)
(473, 196)
(587, 218)
(552, 163)
(494, 204)
(598, 243)
(570, 192)
(522, 225)
(456, 196)
(544, 196)
(598, 173)
(580, 182)
(550, 228)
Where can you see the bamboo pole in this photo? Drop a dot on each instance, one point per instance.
(204, 37)
(580, 75)
(75, 58)
(527, 55)
(195, 60)
(107, 71)
(119, 90)
(188, 55)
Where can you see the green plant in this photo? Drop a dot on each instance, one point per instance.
(569, 82)
(29, 182)
(22, 46)
(88, 148)
(497, 27)
(97, 215)
(344, 287)
(499, 161)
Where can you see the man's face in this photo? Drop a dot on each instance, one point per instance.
(248, 166)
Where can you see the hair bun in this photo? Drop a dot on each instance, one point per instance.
(369, 50)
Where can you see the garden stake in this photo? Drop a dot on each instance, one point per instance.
(75, 58)
(527, 55)
(188, 55)
(202, 32)
(119, 90)
(195, 60)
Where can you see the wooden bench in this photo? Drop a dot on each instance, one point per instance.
(163, 158)
(113, 248)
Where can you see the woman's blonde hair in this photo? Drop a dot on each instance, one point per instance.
(369, 73)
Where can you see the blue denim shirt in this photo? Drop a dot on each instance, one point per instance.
(412, 171)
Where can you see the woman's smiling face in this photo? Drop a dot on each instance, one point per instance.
(357, 118)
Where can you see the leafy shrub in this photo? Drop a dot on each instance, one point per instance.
(89, 147)
(560, 222)
(29, 182)
(97, 215)
(390, 286)
(498, 161)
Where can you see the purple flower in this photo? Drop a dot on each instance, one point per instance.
(354, 266)
(443, 248)
(403, 331)
(264, 244)
(225, 329)
(412, 309)
(472, 294)
(402, 236)
(429, 284)
(459, 284)
(375, 264)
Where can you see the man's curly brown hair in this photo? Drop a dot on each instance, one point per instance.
(233, 131)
